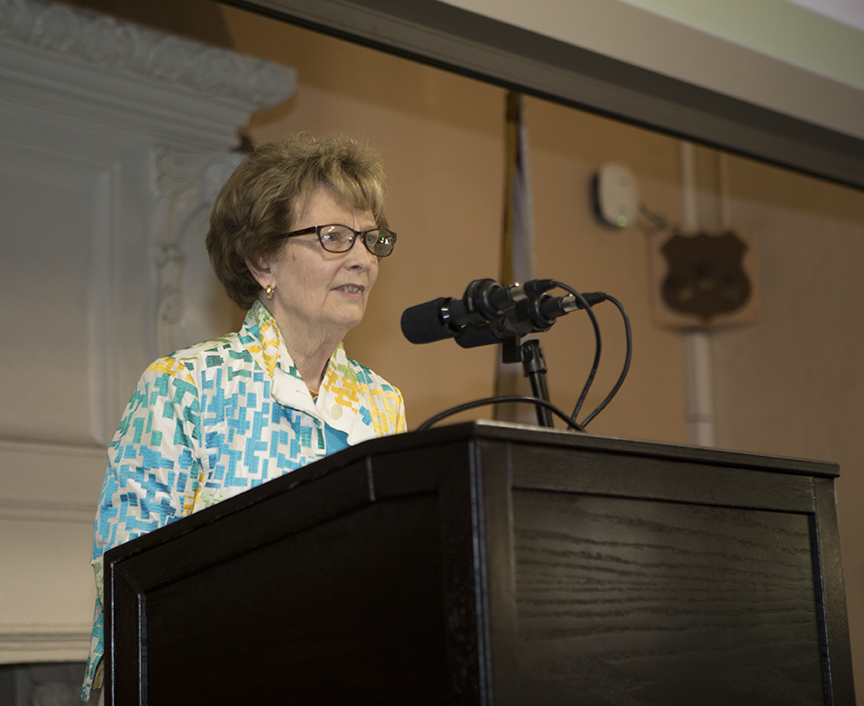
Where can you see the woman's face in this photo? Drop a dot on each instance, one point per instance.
(319, 293)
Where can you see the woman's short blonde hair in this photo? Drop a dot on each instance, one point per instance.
(266, 193)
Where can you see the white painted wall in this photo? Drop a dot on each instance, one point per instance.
(114, 140)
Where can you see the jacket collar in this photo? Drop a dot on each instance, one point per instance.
(339, 396)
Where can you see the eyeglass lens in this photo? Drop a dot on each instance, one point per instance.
(339, 238)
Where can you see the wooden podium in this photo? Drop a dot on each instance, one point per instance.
(488, 563)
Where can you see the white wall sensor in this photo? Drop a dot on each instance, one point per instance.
(616, 195)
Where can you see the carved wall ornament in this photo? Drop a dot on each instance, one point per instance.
(120, 47)
(191, 305)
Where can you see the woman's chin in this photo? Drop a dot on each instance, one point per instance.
(344, 319)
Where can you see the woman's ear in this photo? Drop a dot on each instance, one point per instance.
(261, 272)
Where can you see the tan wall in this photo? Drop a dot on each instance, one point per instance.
(442, 139)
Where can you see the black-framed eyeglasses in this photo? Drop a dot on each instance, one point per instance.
(335, 237)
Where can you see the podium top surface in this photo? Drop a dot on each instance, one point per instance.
(522, 433)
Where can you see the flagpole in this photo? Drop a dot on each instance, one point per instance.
(513, 121)
(517, 248)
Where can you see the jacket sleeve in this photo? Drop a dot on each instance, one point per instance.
(153, 461)
(153, 474)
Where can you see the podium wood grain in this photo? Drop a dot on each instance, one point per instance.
(494, 564)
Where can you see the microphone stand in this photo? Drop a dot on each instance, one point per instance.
(533, 368)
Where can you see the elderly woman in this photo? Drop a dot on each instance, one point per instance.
(296, 236)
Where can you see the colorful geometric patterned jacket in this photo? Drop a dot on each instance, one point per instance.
(218, 418)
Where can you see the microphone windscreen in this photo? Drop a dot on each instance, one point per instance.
(422, 323)
(471, 337)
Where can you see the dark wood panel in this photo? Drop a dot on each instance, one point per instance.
(492, 460)
(335, 618)
(642, 602)
(216, 534)
(549, 438)
(409, 471)
(484, 564)
(838, 655)
(602, 472)
(125, 643)
(465, 580)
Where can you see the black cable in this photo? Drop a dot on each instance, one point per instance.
(496, 400)
(571, 420)
(624, 371)
(597, 348)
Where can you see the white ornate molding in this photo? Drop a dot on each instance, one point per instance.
(49, 483)
(111, 45)
(108, 65)
(43, 643)
(61, 511)
(114, 140)
(191, 305)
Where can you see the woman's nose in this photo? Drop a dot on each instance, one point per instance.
(359, 255)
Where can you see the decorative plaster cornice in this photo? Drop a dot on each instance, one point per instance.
(81, 513)
(119, 79)
(32, 643)
(189, 305)
(105, 43)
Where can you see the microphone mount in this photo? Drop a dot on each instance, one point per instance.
(509, 314)
(489, 313)
(484, 300)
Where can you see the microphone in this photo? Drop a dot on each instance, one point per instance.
(423, 324)
(489, 313)
(484, 300)
(531, 316)
(537, 315)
